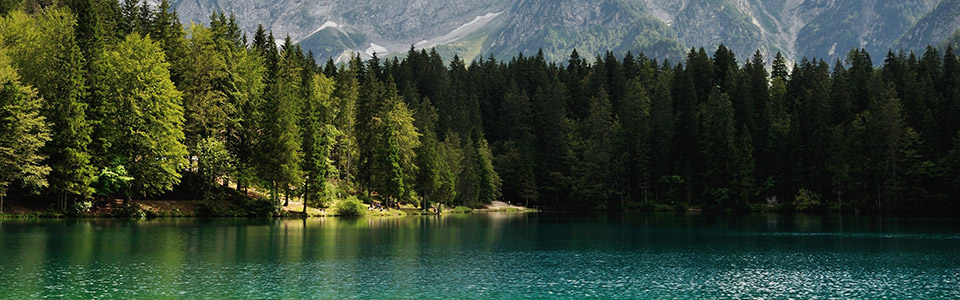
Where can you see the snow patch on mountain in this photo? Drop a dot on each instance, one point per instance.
(375, 49)
(461, 31)
(327, 24)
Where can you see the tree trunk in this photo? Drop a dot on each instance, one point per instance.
(840, 202)
(306, 195)
(273, 191)
(1, 204)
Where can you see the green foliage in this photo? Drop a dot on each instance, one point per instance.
(806, 200)
(80, 208)
(129, 210)
(142, 118)
(319, 138)
(112, 181)
(350, 207)
(23, 132)
(45, 51)
(280, 148)
(213, 159)
(206, 86)
(7, 6)
(461, 210)
(90, 104)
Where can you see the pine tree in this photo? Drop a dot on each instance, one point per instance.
(280, 146)
(346, 93)
(780, 67)
(719, 149)
(596, 178)
(50, 60)
(431, 156)
(206, 88)
(319, 137)
(246, 85)
(489, 180)
(468, 181)
(634, 140)
(661, 131)
(515, 161)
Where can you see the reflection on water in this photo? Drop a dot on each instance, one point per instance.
(484, 256)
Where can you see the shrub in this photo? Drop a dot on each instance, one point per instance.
(364, 198)
(80, 207)
(111, 180)
(641, 206)
(806, 200)
(260, 207)
(350, 207)
(213, 208)
(130, 210)
(462, 210)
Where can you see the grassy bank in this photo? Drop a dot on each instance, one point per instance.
(246, 208)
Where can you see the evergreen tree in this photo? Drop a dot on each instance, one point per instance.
(452, 168)
(596, 179)
(661, 132)
(431, 156)
(280, 148)
(319, 137)
(551, 139)
(489, 180)
(515, 161)
(246, 85)
(634, 140)
(49, 59)
(346, 93)
(780, 67)
(719, 150)
(393, 164)
(206, 87)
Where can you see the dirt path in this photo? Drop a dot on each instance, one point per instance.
(498, 205)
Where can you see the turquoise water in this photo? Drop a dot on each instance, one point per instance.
(484, 256)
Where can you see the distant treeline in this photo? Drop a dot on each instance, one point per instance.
(107, 100)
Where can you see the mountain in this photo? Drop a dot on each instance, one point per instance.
(825, 29)
(939, 25)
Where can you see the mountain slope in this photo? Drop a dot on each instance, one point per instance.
(659, 28)
(934, 27)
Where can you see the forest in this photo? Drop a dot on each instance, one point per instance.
(107, 100)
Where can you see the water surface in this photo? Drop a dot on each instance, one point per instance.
(485, 256)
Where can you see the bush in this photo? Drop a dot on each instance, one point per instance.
(130, 210)
(806, 200)
(364, 198)
(213, 208)
(641, 206)
(260, 207)
(350, 207)
(111, 180)
(80, 207)
(462, 210)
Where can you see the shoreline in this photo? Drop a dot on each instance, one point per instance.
(153, 209)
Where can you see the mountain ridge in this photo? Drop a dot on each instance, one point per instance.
(663, 29)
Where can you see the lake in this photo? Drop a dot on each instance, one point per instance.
(485, 256)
